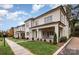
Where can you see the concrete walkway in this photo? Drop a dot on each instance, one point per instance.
(17, 49)
(74, 43)
(72, 48)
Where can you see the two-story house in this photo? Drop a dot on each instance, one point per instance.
(19, 31)
(44, 26)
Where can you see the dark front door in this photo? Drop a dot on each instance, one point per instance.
(23, 35)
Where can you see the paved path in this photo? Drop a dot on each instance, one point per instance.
(74, 43)
(17, 49)
(72, 48)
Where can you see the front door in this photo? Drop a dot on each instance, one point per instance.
(23, 35)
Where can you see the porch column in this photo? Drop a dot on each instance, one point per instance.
(31, 34)
(57, 32)
(37, 33)
(40, 34)
(19, 35)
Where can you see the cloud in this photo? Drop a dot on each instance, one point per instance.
(21, 23)
(6, 6)
(53, 6)
(3, 12)
(37, 7)
(0, 19)
(14, 15)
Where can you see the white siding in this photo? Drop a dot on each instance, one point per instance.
(55, 17)
(27, 28)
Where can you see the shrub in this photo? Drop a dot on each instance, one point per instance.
(44, 40)
(76, 31)
(50, 41)
(55, 39)
(63, 39)
(27, 38)
(32, 38)
(40, 39)
(1, 39)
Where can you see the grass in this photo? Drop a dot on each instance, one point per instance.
(5, 50)
(17, 40)
(39, 48)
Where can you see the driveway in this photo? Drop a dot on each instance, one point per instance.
(72, 48)
(74, 43)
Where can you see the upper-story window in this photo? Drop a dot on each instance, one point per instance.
(27, 24)
(36, 23)
(48, 19)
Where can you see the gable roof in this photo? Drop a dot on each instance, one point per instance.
(29, 19)
(61, 7)
(19, 26)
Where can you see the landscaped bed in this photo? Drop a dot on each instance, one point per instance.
(5, 50)
(39, 48)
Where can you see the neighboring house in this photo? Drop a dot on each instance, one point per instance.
(44, 26)
(28, 25)
(19, 31)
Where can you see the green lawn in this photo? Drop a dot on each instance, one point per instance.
(39, 48)
(5, 50)
(17, 40)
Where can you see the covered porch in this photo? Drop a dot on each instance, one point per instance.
(21, 34)
(46, 32)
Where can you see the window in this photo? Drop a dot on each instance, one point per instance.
(27, 24)
(36, 23)
(27, 33)
(48, 19)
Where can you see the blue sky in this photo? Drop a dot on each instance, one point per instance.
(12, 15)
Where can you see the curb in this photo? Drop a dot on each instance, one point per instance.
(61, 48)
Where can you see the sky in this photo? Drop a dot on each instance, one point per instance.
(12, 15)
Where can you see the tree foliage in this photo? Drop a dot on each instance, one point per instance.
(73, 16)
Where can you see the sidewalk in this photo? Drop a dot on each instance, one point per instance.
(17, 49)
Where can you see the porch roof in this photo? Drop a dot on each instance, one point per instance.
(58, 22)
(21, 31)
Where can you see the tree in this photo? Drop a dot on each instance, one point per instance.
(1, 34)
(75, 15)
(69, 16)
(72, 13)
(10, 32)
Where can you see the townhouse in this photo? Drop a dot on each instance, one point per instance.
(19, 31)
(43, 27)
